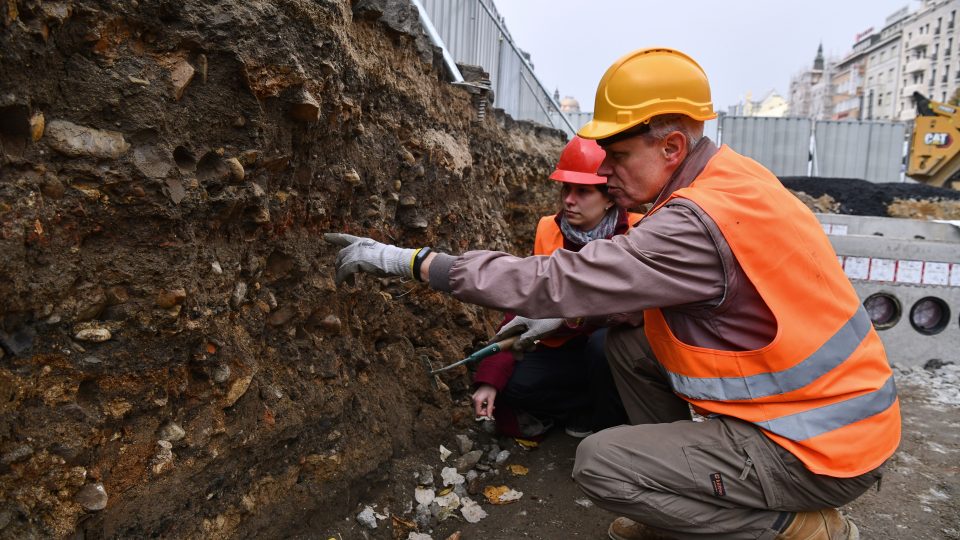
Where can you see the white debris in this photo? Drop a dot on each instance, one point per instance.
(444, 453)
(942, 384)
(502, 457)
(510, 495)
(450, 500)
(424, 495)
(419, 536)
(451, 477)
(471, 510)
(367, 518)
(586, 503)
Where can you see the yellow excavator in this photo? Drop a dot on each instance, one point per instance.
(934, 156)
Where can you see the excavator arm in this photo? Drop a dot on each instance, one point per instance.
(934, 156)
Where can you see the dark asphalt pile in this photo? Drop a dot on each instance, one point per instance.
(863, 198)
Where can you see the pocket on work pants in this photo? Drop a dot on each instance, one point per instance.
(733, 476)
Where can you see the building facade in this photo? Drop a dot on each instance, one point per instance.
(881, 90)
(811, 91)
(849, 79)
(930, 57)
(771, 105)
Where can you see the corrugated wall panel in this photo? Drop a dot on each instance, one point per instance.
(779, 144)
(473, 37)
(885, 162)
(871, 151)
(842, 149)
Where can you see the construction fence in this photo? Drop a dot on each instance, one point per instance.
(872, 151)
(473, 33)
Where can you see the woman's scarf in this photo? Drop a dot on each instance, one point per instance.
(604, 229)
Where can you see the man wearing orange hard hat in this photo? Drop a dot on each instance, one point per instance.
(748, 319)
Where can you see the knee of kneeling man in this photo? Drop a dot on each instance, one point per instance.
(587, 469)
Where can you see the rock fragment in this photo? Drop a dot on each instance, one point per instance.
(18, 453)
(352, 177)
(467, 461)
(93, 335)
(163, 459)
(304, 107)
(181, 73)
(172, 297)
(367, 518)
(93, 497)
(471, 511)
(451, 477)
(80, 141)
(331, 324)
(239, 295)
(424, 495)
(36, 126)
(172, 432)
(235, 169)
(464, 443)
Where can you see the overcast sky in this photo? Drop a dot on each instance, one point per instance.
(743, 45)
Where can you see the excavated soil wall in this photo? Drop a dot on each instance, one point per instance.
(175, 359)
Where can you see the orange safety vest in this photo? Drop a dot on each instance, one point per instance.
(549, 239)
(823, 388)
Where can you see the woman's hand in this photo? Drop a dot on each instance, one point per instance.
(483, 399)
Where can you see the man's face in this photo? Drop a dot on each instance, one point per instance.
(636, 170)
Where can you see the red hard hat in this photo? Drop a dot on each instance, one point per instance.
(579, 162)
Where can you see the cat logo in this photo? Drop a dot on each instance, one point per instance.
(937, 139)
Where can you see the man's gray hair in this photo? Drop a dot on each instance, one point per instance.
(664, 124)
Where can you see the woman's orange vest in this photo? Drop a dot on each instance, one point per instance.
(823, 388)
(549, 239)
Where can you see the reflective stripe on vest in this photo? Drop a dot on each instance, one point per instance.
(808, 424)
(830, 355)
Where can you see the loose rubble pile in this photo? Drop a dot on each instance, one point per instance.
(475, 474)
(862, 198)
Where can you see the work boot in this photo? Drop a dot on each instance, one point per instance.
(827, 524)
(627, 529)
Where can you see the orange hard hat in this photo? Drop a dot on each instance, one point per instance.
(579, 162)
(647, 83)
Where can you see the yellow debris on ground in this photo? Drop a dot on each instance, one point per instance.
(517, 470)
(527, 444)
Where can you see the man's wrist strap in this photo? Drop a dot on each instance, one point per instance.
(417, 261)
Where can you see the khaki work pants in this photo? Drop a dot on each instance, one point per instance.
(719, 479)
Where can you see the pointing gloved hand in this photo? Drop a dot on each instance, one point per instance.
(367, 255)
(530, 331)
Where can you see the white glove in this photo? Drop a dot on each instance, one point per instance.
(533, 330)
(366, 255)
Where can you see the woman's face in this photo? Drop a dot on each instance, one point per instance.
(583, 205)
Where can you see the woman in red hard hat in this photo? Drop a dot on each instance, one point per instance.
(566, 378)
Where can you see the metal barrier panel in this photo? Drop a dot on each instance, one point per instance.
(472, 33)
(779, 144)
(867, 150)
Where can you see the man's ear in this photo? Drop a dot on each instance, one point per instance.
(674, 148)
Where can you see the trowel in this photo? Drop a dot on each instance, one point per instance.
(480, 354)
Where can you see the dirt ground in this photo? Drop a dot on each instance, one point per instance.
(919, 497)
